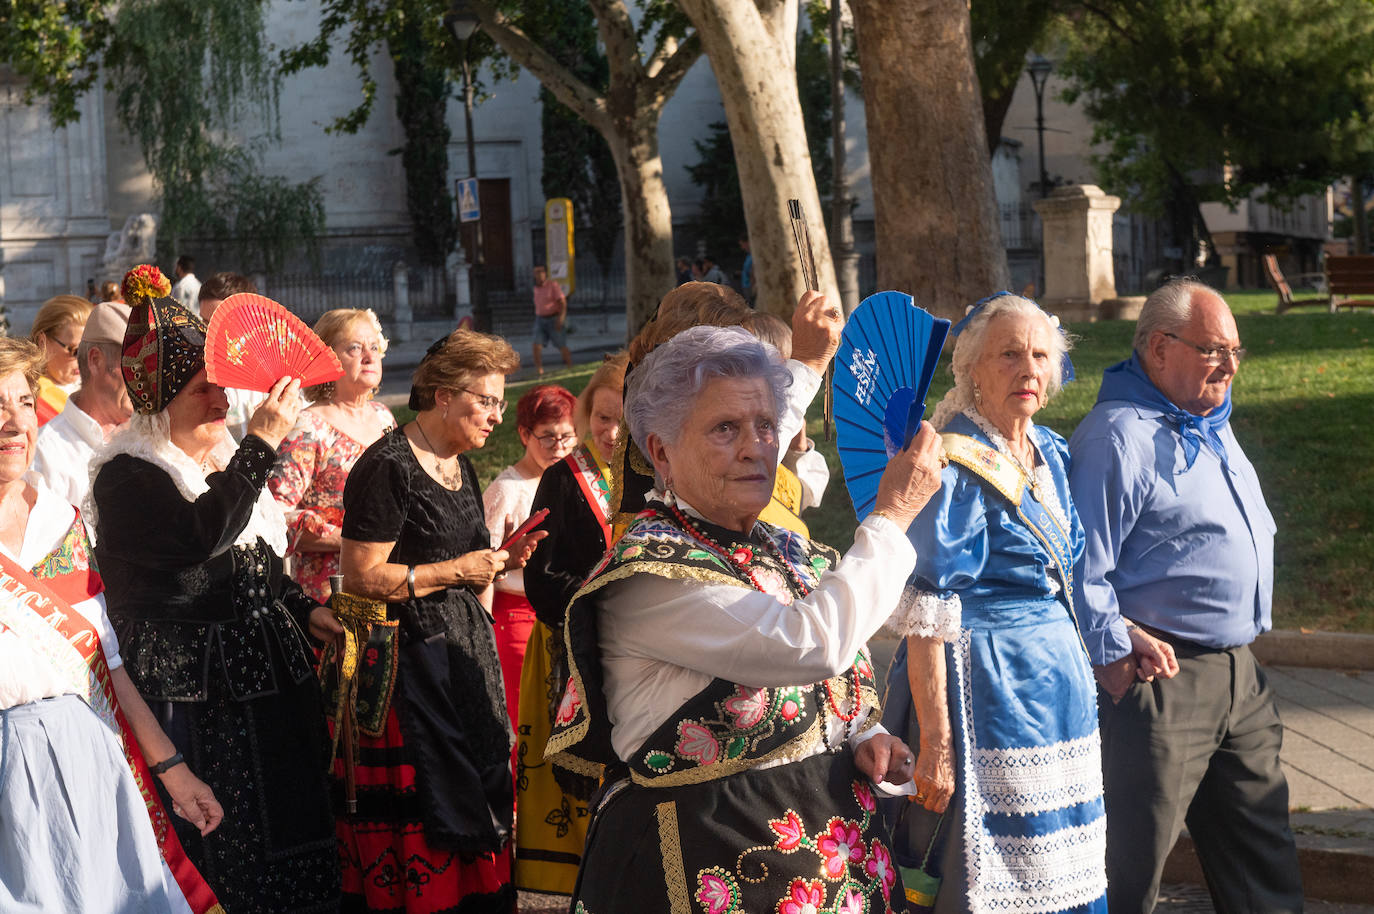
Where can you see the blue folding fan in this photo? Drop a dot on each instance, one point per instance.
(883, 368)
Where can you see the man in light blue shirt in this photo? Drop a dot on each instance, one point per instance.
(1179, 564)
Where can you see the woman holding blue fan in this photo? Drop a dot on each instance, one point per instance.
(1005, 710)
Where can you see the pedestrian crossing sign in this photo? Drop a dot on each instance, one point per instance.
(469, 208)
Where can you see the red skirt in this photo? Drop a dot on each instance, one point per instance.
(388, 866)
(513, 617)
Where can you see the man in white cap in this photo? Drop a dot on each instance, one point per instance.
(65, 445)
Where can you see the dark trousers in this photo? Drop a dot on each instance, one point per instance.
(1203, 748)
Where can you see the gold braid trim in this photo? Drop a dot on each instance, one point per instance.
(799, 747)
(357, 615)
(562, 741)
(986, 463)
(674, 872)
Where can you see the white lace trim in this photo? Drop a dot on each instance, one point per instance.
(1037, 874)
(1044, 873)
(146, 437)
(926, 615)
(1040, 778)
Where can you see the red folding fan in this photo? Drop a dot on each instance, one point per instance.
(252, 341)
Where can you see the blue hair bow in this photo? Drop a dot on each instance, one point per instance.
(1066, 366)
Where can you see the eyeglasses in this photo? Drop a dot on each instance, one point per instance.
(487, 401)
(554, 441)
(71, 348)
(1213, 355)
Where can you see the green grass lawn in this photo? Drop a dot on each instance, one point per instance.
(1304, 412)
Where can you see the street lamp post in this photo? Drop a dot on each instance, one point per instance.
(462, 23)
(1039, 70)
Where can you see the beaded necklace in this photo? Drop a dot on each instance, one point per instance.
(738, 561)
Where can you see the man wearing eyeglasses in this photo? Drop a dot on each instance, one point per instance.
(1180, 544)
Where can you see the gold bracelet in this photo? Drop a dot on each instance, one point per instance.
(879, 512)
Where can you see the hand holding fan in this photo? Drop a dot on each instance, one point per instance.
(883, 368)
(252, 342)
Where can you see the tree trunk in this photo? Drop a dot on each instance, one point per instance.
(759, 89)
(626, 115)
(650, 273)
(938, 234)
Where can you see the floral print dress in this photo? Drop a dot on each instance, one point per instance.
(313, 463)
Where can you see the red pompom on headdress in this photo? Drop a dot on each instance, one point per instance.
(144, 283)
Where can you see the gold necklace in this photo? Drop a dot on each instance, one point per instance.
(452, 480)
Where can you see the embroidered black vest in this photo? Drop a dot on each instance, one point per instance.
(726, 727)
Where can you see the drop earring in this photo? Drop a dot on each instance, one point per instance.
(977, 394)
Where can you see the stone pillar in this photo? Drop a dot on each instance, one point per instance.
(401, 316)
(457, 266)
(1076, 239)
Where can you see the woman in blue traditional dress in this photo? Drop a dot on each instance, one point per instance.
(1003, 694)
(718, 662)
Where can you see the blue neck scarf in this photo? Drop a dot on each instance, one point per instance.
(1127, 381)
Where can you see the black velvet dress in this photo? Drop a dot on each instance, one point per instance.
(212, 636)
(435, 798)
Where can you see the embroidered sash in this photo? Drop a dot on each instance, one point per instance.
(593, 478)
(65, 638)
(991, 466)
(726, 727)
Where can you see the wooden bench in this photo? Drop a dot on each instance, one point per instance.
(1348, 276)
(1280, 284)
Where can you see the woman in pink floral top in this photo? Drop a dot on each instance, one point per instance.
(314, 460)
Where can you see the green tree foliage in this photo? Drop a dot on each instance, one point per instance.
(422, 92)
(813, 90)
(1212, 101)
(577, 160)
(1004, 32)
(186, 74)
(55, 48)
(424, 59)
(720, 221)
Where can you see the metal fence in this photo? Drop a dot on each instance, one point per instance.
(423, 291)
(597, 295)
(1020, 226)
(1136, 252)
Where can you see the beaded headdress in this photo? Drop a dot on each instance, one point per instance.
(164, 346)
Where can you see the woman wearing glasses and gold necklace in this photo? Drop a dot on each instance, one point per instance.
(434, 797)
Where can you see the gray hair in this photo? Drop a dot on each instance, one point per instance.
(968, 350)
(112, 352)
(661, 390)
(1167, 309)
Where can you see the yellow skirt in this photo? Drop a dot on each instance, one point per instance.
(552, 825)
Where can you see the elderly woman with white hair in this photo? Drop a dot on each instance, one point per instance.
(1004, 701)
(718, 663)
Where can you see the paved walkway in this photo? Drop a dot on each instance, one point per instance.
(595, 335)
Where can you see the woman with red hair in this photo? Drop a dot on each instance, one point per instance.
(544, 421)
